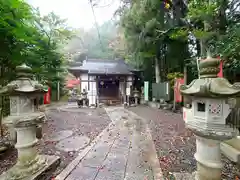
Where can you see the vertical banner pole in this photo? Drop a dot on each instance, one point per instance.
(174, 95)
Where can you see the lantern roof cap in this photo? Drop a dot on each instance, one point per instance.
(209, 84)
(24, 83)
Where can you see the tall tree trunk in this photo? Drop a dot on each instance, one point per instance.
(157, 71)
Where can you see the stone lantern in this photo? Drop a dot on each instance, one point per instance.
(84, 97)
(25, 119)
(209, 104)
(136, 95)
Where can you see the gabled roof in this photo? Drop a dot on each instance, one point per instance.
(100, 66)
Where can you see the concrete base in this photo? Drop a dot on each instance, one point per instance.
(231, 149)
(153, 104)
(92, 107)
(143, 102)
(45, 173)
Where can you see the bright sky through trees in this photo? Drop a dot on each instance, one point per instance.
(78, 12)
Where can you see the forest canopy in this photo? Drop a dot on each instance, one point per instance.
(172, 34)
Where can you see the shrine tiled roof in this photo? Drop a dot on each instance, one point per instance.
(99, 66)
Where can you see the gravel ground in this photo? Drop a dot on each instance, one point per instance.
(175, 145)
(88, 122)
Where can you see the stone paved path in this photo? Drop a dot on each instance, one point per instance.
(123, 151)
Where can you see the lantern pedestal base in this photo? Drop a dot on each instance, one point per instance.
(136, 101)
(142, 101)
(92, 106)
(153, 104)
(208, 158)
(206, 173)
(42, 172)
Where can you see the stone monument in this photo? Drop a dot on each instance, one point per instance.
(142, 101)
(210, 101)
(26, 120)
(84, 97)
(136, 95)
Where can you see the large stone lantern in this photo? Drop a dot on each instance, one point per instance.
(210, 99)
(25, 119)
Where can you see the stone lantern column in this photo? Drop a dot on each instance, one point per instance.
(205, 114)
(26, 119)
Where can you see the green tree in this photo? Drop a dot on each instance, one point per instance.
(148, 25)
(24, 38)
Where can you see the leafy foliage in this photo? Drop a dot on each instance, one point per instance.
(178, 34)
(172, 76)
(148, 28)
(26, 37)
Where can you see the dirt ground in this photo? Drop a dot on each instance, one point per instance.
(175, 145)
(87, 122)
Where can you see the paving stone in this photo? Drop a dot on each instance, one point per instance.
(120, 151)
(106, 174)
(96, 156)
(74, 143)
(138, 166)
(57, 136)
(115, 162)
(103, 147)
(138, 177)
(184, 176)
(123, 146)
(83, 173)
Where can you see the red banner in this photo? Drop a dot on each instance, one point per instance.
(47, 97)
(220, 74)
(177, 94)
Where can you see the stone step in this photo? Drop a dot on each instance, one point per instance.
(111, 102)
(231, 149)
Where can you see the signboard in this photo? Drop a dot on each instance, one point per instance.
(177, 94)
(146, 88)
(128, 91)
